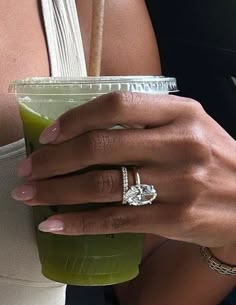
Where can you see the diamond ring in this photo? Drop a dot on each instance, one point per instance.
(139, 194)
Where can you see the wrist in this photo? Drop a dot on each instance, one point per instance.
(225, 254)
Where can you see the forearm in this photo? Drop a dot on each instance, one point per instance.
(176, 274)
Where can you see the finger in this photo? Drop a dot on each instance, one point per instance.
(94, 186)
(151, 219)
(105, 147)
(113, 147)
(100, 186)
(117, 108)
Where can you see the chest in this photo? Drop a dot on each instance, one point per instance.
(23, 48)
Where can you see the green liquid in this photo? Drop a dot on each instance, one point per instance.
(79, 260)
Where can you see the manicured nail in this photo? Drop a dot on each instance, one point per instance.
(25, 168)
(50, 134)
(51, 226)
(24, 193)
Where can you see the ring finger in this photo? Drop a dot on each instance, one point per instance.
(96, 186)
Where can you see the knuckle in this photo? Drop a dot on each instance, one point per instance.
(97, 142)
(78, 226)
(187, 218)
(183, 214)
(192, 110)
(118, 223)
(196, 145)
(193, 140)
(120, 100)
(83, 225)
(196, 182)
(104, 183)
(193, 107)
(197, 177)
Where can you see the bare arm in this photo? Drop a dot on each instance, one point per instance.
(129, 42)
(176, 274)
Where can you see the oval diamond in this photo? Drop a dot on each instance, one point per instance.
(141, 194)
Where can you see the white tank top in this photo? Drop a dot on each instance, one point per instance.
(21, 282)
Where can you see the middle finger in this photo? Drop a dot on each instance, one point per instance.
(104, 147)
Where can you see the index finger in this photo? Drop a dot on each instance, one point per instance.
(117, 108)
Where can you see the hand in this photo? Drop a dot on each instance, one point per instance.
(174, 145)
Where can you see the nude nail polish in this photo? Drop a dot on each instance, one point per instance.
(51, 226)
(24, 193)
(50, 134)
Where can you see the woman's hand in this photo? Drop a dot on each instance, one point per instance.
(174, 145)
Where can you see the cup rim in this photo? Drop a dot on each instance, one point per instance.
(50, 81)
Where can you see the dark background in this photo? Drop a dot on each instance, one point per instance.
(197, 41)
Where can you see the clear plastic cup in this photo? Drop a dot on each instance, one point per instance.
(80, 260)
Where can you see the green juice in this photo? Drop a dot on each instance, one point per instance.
(79, 260)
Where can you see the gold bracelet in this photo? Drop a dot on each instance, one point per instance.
(216, 264)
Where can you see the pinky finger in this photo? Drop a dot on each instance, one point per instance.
(124, 219)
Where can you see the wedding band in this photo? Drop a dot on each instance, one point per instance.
(139, 194)
(125, 182)
(137, 177)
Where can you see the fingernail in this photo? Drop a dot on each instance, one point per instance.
(24, 193)
(51, 226)
(50, 134)
(25, 168)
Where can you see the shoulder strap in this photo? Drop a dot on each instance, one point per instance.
(64, 39)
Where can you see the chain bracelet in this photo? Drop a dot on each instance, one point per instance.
(216, 264)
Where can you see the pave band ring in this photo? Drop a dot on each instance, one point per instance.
(125, 182)
(139, 194)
